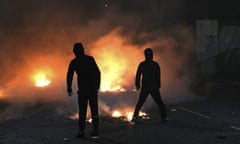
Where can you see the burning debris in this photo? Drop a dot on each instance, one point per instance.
(128, 115)
(118, 114)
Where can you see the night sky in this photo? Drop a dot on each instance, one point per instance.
(226, 11)
(14, 12)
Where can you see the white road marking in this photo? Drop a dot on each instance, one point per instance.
(195, 113)
(204, 116)
(235, 127)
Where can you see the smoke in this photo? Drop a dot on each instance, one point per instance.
(38, 36)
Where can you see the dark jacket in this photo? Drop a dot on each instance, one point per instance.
(88, 73)
(150, 73)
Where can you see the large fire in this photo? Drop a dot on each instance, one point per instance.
(117, 61)
(113, 69)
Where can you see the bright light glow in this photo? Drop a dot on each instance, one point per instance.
(128, 115)
(144, 115)
(106, 5)
(125, 115)
(89, 120)
(117, 61)
(74, 116)
(41, 80)
(108, 86)
(116, 114)
(112, 69)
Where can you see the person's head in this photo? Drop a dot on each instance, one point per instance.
(78, 49)
(148, 52)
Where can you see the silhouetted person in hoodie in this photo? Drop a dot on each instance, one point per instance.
(148, 72)
(88, 79)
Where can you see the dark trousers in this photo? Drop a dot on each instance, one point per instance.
(83, 99)
(156, 97)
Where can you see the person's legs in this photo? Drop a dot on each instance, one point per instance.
(93, 101)
(142, 98)
(82, 103)
(157, 98)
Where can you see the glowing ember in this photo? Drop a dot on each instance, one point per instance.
(89, 120)
(116, 114)
(41, 80)
(144, 115)
(128, 115)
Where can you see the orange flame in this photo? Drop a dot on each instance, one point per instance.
(41, 79)
(116, 60)
(112, 68)
(116, 114)
(127, 115)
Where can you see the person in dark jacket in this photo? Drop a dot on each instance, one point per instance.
(88, 80)
(148, 72)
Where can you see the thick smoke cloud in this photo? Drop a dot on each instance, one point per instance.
(38, 35)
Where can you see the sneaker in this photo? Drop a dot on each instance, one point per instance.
(94, 135)
(80, 135)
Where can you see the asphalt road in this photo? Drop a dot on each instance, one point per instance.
(209, 120)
